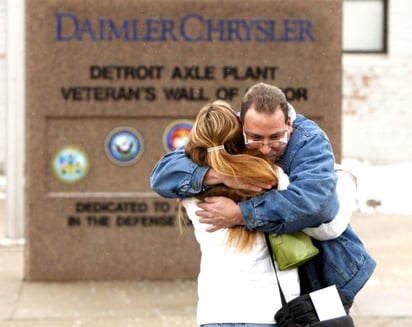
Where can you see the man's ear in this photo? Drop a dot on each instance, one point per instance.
(291, 112)
(289, 124)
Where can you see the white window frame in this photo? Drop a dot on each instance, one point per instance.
(347, 28)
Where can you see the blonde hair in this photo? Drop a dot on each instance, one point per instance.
(217, 124)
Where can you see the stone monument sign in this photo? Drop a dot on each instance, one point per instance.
(111, 86)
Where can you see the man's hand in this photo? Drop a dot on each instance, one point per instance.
(213, 178)
(219, 212)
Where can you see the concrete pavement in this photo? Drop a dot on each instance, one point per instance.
(385, 301)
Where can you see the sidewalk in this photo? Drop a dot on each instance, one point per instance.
(385, 301)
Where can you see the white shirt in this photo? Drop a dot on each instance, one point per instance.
(237, 286)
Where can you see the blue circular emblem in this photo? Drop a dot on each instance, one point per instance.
(124, 146)
(176, 134)
(70, 164)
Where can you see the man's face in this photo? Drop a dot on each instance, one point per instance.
(267, 132)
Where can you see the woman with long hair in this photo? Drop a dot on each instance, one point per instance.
(236, 284)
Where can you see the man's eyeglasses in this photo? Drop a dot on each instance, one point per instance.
(275, 140)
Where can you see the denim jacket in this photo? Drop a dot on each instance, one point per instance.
(309, 200)
(343, 262)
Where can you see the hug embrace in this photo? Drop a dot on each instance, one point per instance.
(266, 170)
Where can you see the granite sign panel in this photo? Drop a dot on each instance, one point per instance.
(112, 86)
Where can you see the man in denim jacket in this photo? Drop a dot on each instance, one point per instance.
(304, 152)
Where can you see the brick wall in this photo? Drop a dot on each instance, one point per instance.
(2, 83)
(377, 109)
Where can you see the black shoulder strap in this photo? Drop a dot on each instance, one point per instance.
(285, 307)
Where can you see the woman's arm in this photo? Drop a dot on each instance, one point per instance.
(346, 190)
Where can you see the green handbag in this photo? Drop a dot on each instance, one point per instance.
(292, 249)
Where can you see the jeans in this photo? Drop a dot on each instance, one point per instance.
(238, 324)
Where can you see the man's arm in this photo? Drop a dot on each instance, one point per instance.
(176, 176)
(310, 198)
